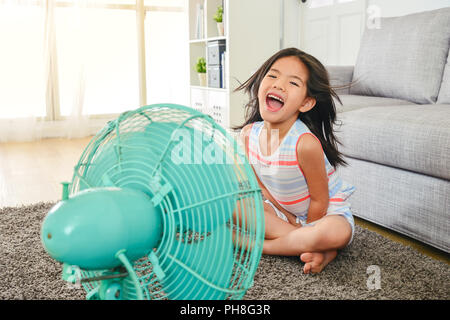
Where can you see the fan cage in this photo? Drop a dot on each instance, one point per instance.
(136, 171)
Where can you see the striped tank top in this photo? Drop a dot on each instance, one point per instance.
(281, 173)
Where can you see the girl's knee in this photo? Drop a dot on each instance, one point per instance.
(332, 234)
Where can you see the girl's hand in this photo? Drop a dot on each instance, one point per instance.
(292, 219)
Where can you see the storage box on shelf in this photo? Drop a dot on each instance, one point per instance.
(216, 54)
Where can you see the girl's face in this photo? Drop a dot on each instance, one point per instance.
(282, 94)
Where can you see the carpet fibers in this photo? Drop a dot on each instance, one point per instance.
(27, 272)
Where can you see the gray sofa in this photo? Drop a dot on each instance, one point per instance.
(395, 126)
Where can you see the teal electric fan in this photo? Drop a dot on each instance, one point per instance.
(162, 205)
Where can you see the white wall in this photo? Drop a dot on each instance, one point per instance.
(393, 8)
(291, 23)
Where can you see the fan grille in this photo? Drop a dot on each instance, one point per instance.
(213, 223)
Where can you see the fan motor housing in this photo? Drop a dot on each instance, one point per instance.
(89, 228)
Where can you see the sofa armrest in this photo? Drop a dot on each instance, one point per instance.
(340, 76)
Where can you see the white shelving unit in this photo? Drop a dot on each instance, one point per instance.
(251, 35)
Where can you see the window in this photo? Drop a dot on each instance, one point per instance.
(59, 56)
(22, 63)
(320, 3)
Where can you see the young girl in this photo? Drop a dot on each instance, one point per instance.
(289, 140)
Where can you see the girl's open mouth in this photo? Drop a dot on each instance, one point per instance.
(274, 102)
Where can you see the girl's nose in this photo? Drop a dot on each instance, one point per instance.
(278, 85)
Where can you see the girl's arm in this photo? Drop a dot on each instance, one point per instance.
(312, 163)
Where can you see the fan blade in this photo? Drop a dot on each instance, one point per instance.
(200, 270)
(204, 186)
(203, 178)
(202, 205)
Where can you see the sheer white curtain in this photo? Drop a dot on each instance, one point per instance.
(97, 51)
(71, 49)
(23, 69)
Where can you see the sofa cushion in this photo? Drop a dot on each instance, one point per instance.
(444, 92)
(404, 58)
(352, 102)
(415, 138)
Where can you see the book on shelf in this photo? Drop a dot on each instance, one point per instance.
(199, 24)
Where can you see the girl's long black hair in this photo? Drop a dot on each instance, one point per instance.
(320, 119)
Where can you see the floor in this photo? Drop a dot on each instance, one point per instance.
(32, 172)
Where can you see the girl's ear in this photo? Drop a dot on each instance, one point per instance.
(307, 104)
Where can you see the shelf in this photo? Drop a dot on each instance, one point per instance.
(217, 38)
(197, 41)
(210, 88)
(208, 39)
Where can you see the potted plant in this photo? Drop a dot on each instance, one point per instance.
(201, 70)
(218, 17)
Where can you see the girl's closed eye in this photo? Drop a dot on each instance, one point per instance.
(295, 83)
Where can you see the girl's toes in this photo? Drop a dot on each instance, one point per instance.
(313, 262)
(307, 268)
(317, 268)
(306, 257)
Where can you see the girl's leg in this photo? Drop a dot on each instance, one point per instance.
(274, 226)
(320, 243)
(328, 234)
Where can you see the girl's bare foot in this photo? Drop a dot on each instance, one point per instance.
(316, 261)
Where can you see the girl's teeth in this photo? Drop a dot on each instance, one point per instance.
(276, 98)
